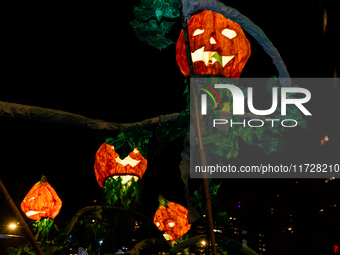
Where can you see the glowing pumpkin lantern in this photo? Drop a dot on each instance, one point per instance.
(118, 176)
(41, 201)
(218, 46)
(325, 139)
(171, 218)
(109, 164)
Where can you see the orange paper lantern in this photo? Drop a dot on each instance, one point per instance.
(41, 201)
(173, 219)
(218, 46)
(109, 164)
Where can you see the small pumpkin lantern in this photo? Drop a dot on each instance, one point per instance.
(171, 218)
(218, 46)
(41, 201)
(325, 139)
(119, 176)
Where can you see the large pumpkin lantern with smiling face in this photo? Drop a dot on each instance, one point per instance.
(218, 46)
(119, 177)
(109, 164)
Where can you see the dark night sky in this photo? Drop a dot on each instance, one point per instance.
(83, 57)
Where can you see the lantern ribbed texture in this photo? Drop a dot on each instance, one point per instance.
(213, 24)
(173, 220)
(41, 201)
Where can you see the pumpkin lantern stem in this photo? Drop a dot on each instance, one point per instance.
(43, 179)
(162, 201)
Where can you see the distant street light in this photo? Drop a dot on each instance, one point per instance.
(12, 226)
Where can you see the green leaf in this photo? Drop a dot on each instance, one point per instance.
(184, 167)
(270, 146)
(160, 42)
(126, 141)
(143, 13)
(159, 14)
(233, 152)
(56, 227)
(222, 144)
(220, 249)
(198, 201)
(153, 31)
(23, 248)
(12, 251)
(178, 129)
(162, 132)
(187, 93)
(223, 219)
(246, 134)
(167, 133)
(271, 83)
(117, 193)
(61, 240)
(213, 137)
(86, 221)
(199, 197)
(99, 215)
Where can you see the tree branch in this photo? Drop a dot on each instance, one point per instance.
(92, 209)
(13, 110)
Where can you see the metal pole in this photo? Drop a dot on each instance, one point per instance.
(21, 220)
(200, 141)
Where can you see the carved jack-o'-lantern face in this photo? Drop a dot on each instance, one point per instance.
(108, 163)
(218, 46)
(173, 220)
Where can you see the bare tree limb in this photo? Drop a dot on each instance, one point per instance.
(13, 110)
(93, 209)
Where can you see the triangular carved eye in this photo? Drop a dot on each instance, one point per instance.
(229, 33)
(198, 32)
(212, 41)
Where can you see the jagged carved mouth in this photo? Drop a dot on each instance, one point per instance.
(210, 57)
